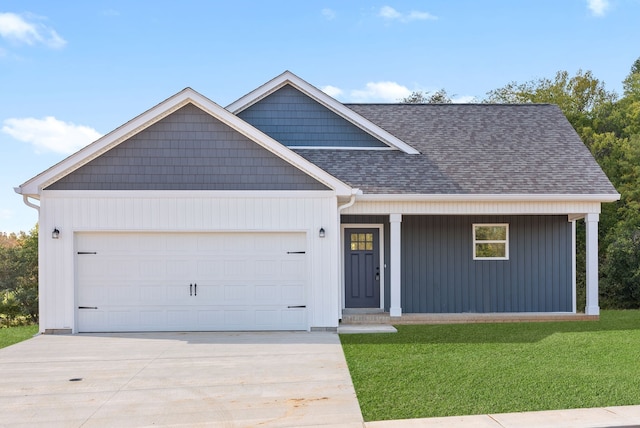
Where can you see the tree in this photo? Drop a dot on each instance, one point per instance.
(579, 97)
(610, 128)
(420, 97)
(19, 277)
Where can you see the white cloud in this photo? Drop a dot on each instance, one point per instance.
(17, 29)
(380, 92)
(50, 134)
(5, 214)
(464, 99)
(598, 7)
(329, 14)
(389, 13)
(332, 91)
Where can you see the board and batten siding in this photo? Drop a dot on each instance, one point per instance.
(185, 211)
(439, 274)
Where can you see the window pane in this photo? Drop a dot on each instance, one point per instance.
(361, 237)
(369, 237)
(361, 246)
(354, 246)
(491, 250)
(491, 233)
(354, 237)
(369, 246)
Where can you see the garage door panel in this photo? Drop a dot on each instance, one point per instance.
(212, 269)
(293, 317)
(292, 294)
(150, 320)
(239, 268)
(141, 281)
(153, 294)
(177, 318)
(153, 269)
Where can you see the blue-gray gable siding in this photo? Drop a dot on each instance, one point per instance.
(188, 150)
(439, 274)
(295, 119)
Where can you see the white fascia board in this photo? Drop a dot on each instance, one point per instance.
(331, 103)
(491, 198)
(186, 194)
(35, 185)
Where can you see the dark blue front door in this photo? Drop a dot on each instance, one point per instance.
(362, 268)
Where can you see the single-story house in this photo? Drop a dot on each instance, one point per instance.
(287, 207)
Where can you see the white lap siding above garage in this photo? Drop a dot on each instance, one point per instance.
(187, 216)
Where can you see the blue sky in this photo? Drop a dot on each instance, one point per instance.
(73, 71)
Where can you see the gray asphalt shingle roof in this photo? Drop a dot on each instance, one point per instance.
(469, 149)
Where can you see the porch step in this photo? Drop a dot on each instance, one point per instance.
(384, 318)
(360, 318)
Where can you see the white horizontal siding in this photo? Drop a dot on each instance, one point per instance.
(470, 207)
(81, 211)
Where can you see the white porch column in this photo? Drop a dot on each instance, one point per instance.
(395, 309)
(591, 222)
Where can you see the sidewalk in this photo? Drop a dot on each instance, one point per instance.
(609, 417)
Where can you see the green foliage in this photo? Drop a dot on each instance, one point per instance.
(610, 128)
(419, 97)
(462, 369)
(19, 278)
(13, 335)
(578, 96)
(621, 269)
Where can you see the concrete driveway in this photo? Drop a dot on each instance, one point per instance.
(178, 379)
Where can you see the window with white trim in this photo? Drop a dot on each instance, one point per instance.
(491, 241)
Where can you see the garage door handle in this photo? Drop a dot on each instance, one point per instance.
(296, 252)
(295, 307)
(190, 289)
(87, 307)
(195, 289)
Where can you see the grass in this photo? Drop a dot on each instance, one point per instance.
(11, 335)
(464, 369)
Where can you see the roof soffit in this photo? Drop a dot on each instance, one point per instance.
(288, 78)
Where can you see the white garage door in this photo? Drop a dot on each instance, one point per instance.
(191, 281)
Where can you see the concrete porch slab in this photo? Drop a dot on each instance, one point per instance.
(366, 328)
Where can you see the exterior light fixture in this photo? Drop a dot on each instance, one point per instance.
(55, 234)
(321, 232)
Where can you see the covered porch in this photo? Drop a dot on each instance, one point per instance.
(537, 282)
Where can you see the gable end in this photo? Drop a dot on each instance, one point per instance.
(188, 150)
(296, 120)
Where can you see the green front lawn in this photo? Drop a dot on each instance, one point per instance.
(11, 335)
(465, 369)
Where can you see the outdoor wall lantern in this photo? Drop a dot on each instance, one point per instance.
(321, 232)
(55, 234)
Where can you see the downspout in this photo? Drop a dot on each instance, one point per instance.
(352, 200)
(25, 199)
